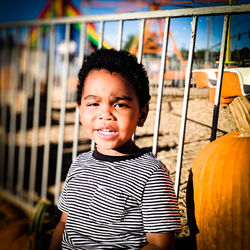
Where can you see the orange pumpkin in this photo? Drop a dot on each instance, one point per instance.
(221, 179)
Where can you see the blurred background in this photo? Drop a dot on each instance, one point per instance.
(39, 130)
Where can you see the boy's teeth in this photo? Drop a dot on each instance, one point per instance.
(106, 131)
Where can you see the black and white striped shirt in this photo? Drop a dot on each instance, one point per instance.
(113, 201)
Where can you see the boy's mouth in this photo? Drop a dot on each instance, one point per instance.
(106, 134)
(106, 131)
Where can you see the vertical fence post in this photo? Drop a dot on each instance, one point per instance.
(100, 43)
(7, 93)
(48, 113)
(35, 129)
(219, 79)
(185, 105)
(81, 57)
(24, 116)
(120, 29)
(141, 41)
(161, 84)
(15, 77)
(4, 80)
(140, 51)
(62, 114)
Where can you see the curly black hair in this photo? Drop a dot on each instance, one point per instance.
(121, 62)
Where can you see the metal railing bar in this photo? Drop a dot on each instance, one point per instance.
(48, 113)
(141, 40)
(202, 11)
(140, 51)
(120, 30)
(161, 83)
(33, 161)
(3, 120)
(62, 115)
(76, 124)
(23, 129)
(219, 78)
(185, 105)
(76, 134)
(100, 42)
(12, 133)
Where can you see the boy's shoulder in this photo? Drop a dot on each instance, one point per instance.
(84, 156)
(149, 156)
(143, 163)
(79, 161)
(150, 161)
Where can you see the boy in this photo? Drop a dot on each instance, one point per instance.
(117, 196)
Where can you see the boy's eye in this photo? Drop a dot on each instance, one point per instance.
(121, 105)
(92, 104)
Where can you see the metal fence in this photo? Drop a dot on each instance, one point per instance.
(37, 93)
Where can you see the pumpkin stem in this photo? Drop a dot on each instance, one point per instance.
(240, 108)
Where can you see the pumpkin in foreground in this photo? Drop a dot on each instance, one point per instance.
(221, 179)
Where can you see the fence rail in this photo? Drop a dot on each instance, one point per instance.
(38, 92)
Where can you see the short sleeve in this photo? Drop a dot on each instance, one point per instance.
(159, 205)
(62, 203)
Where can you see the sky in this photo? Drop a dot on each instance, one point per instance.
(16, 10)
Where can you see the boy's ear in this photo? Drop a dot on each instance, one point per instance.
(143, 115)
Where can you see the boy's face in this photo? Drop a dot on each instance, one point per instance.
(109, 111)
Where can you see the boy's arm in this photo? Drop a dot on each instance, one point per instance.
(164, 214)
(56, 239)
(160, 241)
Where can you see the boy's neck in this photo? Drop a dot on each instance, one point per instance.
(128, 148)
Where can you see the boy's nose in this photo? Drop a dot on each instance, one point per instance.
(106, 114)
